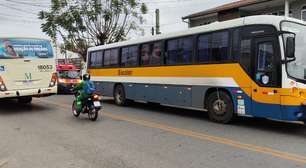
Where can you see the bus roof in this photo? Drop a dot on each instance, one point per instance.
(250, 20)
(8, 36)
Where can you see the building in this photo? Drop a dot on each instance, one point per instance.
(68, 57)
(242, 8)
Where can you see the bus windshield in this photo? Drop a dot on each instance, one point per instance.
(297, 68)
(69, 74)
(14, 48)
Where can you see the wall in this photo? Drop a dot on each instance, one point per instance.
(202, 21)
(295, 7)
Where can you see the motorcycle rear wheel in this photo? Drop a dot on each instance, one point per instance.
(93, 114)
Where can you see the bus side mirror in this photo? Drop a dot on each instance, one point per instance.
(290, 47)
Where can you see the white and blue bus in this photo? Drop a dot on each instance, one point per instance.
(253, 66)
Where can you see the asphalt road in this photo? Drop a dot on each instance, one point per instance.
(45, 134)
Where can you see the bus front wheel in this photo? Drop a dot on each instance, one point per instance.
(119, 96)
(220, 107)
(25, 100)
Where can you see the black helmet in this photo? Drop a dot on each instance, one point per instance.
(86, 77)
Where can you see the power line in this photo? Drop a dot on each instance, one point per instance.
(20, 20)
(28, 4)
(15, 16)
(18, 9)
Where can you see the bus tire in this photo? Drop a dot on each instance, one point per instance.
(25, 100)
(119, 96)
(220, 110)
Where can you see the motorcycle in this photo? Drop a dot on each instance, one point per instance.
(91, 106)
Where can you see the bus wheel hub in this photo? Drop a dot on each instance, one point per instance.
(219, 107)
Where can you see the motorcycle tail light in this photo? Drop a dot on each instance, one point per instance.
(2, 85)
(97, 97)
(53, 80)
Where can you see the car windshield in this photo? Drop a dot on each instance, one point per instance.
(69, 74)
(11, 48)
(297, 68)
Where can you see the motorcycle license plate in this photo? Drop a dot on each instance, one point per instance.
(97, 103)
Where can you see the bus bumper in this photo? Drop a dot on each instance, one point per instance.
(65, 87)
(294, 113)
(39, 92)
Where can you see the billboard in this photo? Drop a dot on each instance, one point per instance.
(25, 48)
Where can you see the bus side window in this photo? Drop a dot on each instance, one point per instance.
(151, 54)
(156, 54)
(265, 56)
(93, 58)
(264, 72)
(204, 48)
(220, 46)
(107, 55)
(124, 56)
(245, 55)
(186, 47)
(145, 54)
(235, 44)
(99, 59)
(129, 56)
(114, 59)
(179, 51)
(172, 49)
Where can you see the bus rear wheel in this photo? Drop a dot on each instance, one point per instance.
(25, 100)
(119, 96)
(220, 107)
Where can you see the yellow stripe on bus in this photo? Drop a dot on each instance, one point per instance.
(234, 71)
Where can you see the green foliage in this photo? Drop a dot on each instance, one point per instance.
(85, 23)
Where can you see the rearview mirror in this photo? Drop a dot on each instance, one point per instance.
(290, 47)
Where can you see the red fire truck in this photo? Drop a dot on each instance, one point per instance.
(68, 76)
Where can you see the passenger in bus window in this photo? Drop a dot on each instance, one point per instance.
(156, 54)
(145, 54)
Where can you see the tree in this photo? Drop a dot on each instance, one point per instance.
(85, 23)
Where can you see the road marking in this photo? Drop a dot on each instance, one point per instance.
(3, 162)
(200, 136)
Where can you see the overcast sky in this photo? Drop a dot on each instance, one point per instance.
(21, 15)
(172, 11)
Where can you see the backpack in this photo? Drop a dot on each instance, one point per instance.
(89, 87)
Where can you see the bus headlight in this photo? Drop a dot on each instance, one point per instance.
(61, 80)
(304, 103)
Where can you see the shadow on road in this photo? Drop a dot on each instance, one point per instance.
(288, 128)
(11, 107)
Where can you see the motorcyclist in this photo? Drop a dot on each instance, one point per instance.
(86, 89)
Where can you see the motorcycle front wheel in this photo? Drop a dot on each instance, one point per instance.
(93, 114)
(74, 109)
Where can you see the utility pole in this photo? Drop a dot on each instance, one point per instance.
(157, 24)
(287, 8)
(152, 31)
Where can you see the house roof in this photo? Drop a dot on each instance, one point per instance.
(229, 6)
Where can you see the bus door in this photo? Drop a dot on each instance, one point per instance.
(266, 62)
